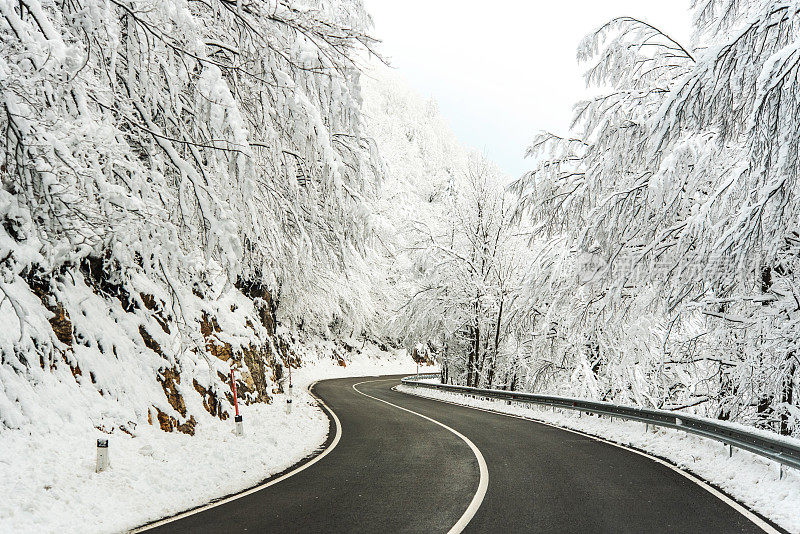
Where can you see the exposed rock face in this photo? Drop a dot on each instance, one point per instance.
(149, 342)
(97, 272)
(158, 311)
(62, 326)
(265, 304)
(168, 424)
(265, 363)
(254, 368)
(209, 327)
(254, 358)
(60, 322)
(188, 426)
(169, 379)
(210, 401)
(259, 361)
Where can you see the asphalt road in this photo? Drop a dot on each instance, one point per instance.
(393, 471)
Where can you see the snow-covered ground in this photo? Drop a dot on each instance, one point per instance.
(48, 483)
(748, 478)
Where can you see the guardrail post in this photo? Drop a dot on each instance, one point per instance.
(780, 471)
(730, 449)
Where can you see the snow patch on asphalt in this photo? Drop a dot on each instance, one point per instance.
(750, 479)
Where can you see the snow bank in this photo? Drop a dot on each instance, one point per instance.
(47, 473)
(748, 478)
(49, 482)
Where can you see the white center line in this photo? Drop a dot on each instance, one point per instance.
(483, 484)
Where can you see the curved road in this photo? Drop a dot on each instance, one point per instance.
(394, 471)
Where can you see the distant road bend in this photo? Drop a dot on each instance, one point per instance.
(399, 463)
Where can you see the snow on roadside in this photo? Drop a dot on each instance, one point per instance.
(48, 482)
(362, 365)
(748, 478)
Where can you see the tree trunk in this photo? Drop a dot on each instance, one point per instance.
(493, 360)
(471, 354)
(787, 395)
(475, 355)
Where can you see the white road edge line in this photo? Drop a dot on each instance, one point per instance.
(260, 486)
(483, 484)
(763, 525)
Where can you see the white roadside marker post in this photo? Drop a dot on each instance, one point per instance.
(102, 456)
(289, 393)
(239, 425)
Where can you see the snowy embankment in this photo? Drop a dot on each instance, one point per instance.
(47, 476)
(748, 478)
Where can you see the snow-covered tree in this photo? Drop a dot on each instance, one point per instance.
(676, 197)
(465, 274)
(453, 271)
(181, 138)
(178, 177)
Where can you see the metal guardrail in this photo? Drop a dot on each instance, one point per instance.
(774, 448)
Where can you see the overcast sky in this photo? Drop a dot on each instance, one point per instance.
(501, 70)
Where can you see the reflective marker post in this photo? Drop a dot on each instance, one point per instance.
(239, 430)
(102, 455)
(289, 393)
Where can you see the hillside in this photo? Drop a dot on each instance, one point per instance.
(161, 230)
(195, 190)
(178, 176)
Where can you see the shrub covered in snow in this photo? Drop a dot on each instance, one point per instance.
(176, 177)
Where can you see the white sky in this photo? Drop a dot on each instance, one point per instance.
(502, 70)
